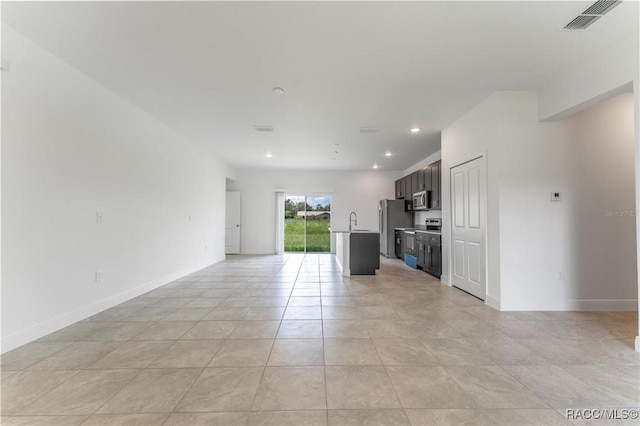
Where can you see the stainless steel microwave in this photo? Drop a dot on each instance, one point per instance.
(421, 200)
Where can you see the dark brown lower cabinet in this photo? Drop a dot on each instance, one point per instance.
(422, 241)
(429, 253)
(434, 256)
(399, 244)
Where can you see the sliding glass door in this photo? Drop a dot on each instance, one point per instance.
(307, 219)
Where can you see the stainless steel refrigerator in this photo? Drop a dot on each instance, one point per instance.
(391, 215)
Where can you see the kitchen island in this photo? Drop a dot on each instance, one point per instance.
(357, 252)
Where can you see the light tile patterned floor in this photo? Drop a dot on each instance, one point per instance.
(285, 340)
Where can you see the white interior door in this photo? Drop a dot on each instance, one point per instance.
(468, 213)
(232, 223)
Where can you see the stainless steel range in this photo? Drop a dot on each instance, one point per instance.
(433, 224)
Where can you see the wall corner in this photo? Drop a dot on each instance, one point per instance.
(493, 302)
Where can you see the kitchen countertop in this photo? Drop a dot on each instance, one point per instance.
(419, 228)
(353, 231)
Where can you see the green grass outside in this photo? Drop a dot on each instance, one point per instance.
(318, 235)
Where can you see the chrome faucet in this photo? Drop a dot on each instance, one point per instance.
(355, 221)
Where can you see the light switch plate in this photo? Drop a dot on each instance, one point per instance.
(555, 196)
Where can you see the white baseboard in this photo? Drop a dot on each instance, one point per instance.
(445, 279)
(493, 302)
(604, 305)
(257, 251)
(574, 305)
(54, 324)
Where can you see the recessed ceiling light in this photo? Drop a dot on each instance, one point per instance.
(415, 129)
(278, 90)
(375, 166)
(269, 155)
(387, 154)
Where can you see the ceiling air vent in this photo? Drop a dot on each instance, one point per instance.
(369, 129)
(601, 7)
(592, 14)
(263, 128)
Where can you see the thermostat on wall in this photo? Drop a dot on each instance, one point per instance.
(555, 196)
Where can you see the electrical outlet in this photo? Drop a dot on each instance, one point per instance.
(98, 277)
(189, 218)
(560, 276)
(99, 218)
(555, 196)
(206, 247)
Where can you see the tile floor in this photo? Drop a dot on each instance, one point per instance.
(276, 340)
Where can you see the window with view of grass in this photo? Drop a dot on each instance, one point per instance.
(307, 219)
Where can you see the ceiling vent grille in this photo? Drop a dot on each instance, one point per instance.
(263, 128)
(601, 7)
(581, 22)
(592, 14)
(369, 129)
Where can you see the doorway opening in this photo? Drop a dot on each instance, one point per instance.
(307, 219)
(232, 223)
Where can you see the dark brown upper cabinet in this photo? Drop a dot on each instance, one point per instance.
(427, 179)
(436, 179)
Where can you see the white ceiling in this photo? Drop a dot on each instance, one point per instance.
(207, 68)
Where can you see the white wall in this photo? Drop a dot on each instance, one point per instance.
(601, 152)
(605, 73)
(72, 148)
(461, 143)
(357, 191)
(589, 158)
(636, 93)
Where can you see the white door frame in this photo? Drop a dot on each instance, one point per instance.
(238, 225)
(453, 165)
